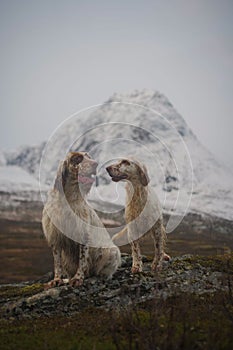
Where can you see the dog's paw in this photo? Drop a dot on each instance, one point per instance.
(136, 269)
(56, 282)
(157, 266)
(166, 257)
(76, 282)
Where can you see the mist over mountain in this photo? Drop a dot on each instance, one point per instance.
(2, 159)
(146, 125)
(27, 157)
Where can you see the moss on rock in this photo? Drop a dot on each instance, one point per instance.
(19, 291)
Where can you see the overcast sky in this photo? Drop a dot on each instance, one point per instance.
(60, 56)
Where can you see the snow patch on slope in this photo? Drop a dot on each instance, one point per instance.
(15, 179)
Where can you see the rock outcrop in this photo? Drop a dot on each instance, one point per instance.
(185, 274)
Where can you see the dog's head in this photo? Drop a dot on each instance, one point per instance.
(128, 169)
(78, 167)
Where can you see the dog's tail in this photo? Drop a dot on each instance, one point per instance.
(121, 238)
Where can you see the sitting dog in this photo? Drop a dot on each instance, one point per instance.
(142, 213)
(80, 244)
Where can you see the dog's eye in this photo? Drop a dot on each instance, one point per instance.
(125, 162)
(76, 160)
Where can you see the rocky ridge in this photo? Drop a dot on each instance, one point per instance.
(186, 274)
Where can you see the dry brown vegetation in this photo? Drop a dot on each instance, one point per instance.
(180, 322)
(24, 254)
(184, 321)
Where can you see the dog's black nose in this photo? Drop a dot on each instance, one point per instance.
(108, 168)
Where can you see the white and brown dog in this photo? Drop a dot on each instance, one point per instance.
(142, 212)
(80, 244)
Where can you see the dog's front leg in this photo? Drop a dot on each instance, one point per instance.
(136, 255)
(78, 278)
(58, 271)
(159, 250)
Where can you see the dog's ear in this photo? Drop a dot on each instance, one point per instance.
(143, 175)
(61, 178)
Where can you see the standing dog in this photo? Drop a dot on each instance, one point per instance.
(142, 213)
(80, 244)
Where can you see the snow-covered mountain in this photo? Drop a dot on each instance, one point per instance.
(26, 157)
(19, 173)
(146, 125)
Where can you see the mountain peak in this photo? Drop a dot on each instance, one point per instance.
(144, 97)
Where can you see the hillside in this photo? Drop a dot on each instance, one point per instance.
(188, 305)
